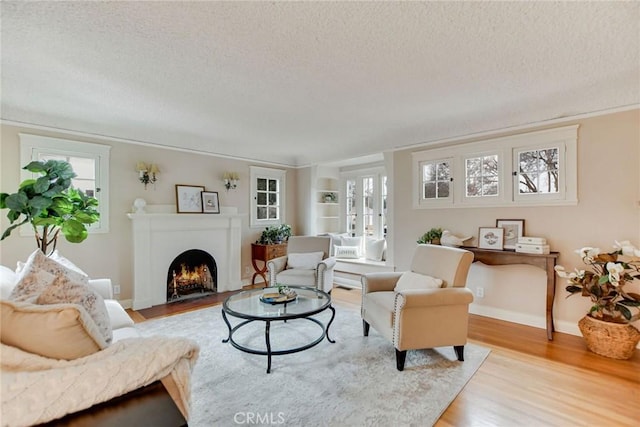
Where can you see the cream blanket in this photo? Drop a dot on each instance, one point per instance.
(37, 389)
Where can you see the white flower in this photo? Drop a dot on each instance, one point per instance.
(627, 248)
(588, 253)
(614, 269)
(577, 274)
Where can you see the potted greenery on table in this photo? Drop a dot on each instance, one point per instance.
(607, 327)
(50, 205)
(275, 234)
(432, 236)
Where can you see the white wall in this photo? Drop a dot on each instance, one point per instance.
(608, 210)
(109, 255)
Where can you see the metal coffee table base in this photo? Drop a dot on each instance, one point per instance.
(269, 352)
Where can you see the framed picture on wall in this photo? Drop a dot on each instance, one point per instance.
(188, 198)
(491, 238)
(513, 228)
(210, 202)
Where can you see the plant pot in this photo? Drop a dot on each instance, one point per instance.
(615, 340)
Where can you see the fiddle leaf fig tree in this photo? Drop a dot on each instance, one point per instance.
(50, 205)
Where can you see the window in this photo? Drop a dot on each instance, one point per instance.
(436, 180)
(366, 203)
(89, 161)
(538, 171)
(268, 196)
(543, 166)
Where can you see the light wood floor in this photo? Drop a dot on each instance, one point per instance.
(526, 380)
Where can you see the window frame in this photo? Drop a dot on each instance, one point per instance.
(565, 138)
(257, 172)
(32, 146)
(420, 188)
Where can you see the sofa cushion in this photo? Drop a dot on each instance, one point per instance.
(8, 279)
(304, 261)
(410, 280)
(57, 257)
(296, 276)
(117, 315)
(64, 290)
(57, 331)
(38, 273)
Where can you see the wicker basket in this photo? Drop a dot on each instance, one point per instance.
(615, 340)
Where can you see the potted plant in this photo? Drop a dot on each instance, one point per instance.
(50, 205)
(607, 327)
(275, 234)
(432, 236)
(330, 197)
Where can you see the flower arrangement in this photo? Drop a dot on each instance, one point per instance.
(605, 284)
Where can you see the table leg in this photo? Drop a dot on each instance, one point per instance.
(224, 317)
(333, 315)
(551, 293)
(266, 337)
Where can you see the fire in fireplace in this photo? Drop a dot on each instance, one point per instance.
(192, 273)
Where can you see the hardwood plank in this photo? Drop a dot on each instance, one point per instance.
(526, 380)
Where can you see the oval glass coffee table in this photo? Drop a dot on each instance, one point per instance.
(250, 306)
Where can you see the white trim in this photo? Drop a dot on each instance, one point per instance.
(32, 144)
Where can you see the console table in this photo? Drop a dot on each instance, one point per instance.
(546, 262)
(264, 253)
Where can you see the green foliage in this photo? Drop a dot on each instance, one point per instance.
(275, 234)
(50, 205)
(431, 236)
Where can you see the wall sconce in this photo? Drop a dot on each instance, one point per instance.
(147, 173)
(230, 180)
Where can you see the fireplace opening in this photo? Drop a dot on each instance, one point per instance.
(192, 274)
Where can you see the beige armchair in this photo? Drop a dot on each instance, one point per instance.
(307, 263)
(412, 310)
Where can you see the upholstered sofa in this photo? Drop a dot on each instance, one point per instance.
(55, 357)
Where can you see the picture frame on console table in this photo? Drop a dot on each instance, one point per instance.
(189, 198)
(513, 228)
(210, 202)
(491, 238)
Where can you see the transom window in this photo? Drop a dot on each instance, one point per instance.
(482, 176)
(536, 168)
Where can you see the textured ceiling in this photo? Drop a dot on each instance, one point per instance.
(296, 83)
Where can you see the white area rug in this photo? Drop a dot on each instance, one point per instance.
(353, 382)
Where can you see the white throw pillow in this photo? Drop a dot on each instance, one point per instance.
(374, 249)
(8, 279)
(304, 261)
(345, 252)
(38, 273)
(410, 280)
(63, 261)
(353, 241)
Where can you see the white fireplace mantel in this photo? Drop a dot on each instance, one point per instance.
(158, 238)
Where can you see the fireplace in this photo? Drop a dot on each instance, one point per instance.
(159, 234)
(192, 273)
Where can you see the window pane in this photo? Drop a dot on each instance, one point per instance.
(489, 186)
(443, 189)
(429, 190)
(443, 171)
(273, 185)
(539, 171)
(490, 165)
(262, 184)
(261, 213)
(473, 167)
(262, 199)
(273, 198)
(273, 213)
(473, 187)
(429, 172)
(83, 167)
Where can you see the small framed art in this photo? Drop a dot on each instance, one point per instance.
(188, 198)
(491, 238)
(210, 202)
(513, 228)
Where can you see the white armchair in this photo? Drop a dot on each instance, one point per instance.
(425, 308)
(307, 263)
